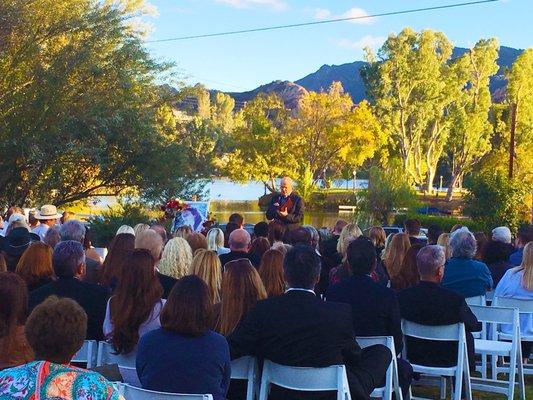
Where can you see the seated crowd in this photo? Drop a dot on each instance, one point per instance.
(181, 307)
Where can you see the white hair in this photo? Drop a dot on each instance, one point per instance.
(502, 234)
(125, 229)
(215, 239)
(463, 243)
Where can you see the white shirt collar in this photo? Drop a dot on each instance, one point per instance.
(300, 289)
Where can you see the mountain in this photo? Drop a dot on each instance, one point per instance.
(348, 75)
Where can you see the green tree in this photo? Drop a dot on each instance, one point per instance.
(470, 130)
(81, 109)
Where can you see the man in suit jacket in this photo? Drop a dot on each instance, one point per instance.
(375, 308)
(239, 245)
(287, 207)
(428, 303)
(298, 329)
(68, 261)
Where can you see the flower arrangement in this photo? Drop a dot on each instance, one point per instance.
(173, 207)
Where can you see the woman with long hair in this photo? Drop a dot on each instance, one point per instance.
(13, 309)
(276, 233)
(136, 303)
(258, 247)
(176, 258)
(271, 273)
(407, 276)
(396, 253)
(215, 241)
(206, 265)
(377, 236)
(343, 271)
(444, 241)
(518, 283)
(121, 245)
(242, 288)
(35, 265)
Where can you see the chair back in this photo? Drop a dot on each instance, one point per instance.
(304, 378)
(247, 368)
(367, 341)
(524, 306)
(106, 356)
(135, 393)
(87, 353)
(454, 332)
(476, 300)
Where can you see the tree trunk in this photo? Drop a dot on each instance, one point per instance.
(451, 186)
(430, 177)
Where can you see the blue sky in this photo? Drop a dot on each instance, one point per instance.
(243, 62)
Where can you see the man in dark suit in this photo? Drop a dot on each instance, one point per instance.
(375, 309)
(68, 261)
(239, 245)
(428, 303)
(298, 329)
(287, 207)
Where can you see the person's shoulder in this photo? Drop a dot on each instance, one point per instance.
(94, 288)
(156, 335)
(216, 338)
(95, 385)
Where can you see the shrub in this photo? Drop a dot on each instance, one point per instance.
(446, 223)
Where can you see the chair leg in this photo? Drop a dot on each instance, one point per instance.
(521, 384)
(466, 373)
(443, 383)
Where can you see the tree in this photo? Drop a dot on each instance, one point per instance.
(412, 86)
(259, 147)
(81, 109)
(470, 130)
(330, 133)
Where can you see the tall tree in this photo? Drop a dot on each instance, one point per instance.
(470, 131)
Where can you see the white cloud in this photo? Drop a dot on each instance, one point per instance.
(355, 12)
(278, 5)
(366, 41)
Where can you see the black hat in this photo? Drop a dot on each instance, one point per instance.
(17, 241)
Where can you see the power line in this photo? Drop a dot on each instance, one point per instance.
(327, 21)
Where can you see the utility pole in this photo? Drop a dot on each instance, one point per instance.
(514, 108)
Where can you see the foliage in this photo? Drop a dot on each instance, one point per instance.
(105, 226)
(81, 109)
(387, 191)
(446, 223)
(495, 200)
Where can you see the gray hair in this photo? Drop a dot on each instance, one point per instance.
(67, 257)
(315, 237)
(52, 236)
(215, 239)
(463, 244)
(72, 230)
(429, 258)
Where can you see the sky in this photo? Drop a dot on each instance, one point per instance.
(243, 62)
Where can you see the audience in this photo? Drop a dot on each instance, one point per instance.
(13, 309)
(75, 230)
(342, 271)
(434, 231)
(35, 266)
(242, 288)
(121, 245)
(206, 265)
(524, 236)
(271, 273)
(308, 332)
(68, 261)
(258, 247)
(407, 276)
(463, 274)
(412, 229)
(47, 217)
(239, 244)
(215, 241)
(184, 356)
(429, 303)
(396, 253)
(196, 241)
(261, 230)
(518, 283)
(55, 330)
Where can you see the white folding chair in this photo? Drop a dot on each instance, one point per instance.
(87, 353)
(524, 307)
(391, 378)
(247, 368)
(496, 348)
(456, 333)
(305, 379)
(125, 362)
(489, 296)
(476, 300)
(134, 393)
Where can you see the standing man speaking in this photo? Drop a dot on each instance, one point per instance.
(287, 207)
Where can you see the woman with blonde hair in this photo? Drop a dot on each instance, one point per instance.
(138, 229)
(35, 265)
(378, 237)
(518, 283)
(271, 272)
(176, 259)
(215, 241)
(343, 271)
(242, 288)
(183, 231)
(396, 254)
(444, 241)
(206, 265)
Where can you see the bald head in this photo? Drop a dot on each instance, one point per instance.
(150, 240)
(239, 240)
(286, 186)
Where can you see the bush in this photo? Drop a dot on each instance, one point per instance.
(105, 226)
(446, 223)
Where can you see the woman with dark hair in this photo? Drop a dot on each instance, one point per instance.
(55, 330)
(90, 251)
(276, 233)
(35, 266)
(136, 304)
(184, 356)
(407, 276)
(271, 273)
(242, 288)
(481, 241)
(258, 247)
(13, 308)
(118, 249)
(496, 256)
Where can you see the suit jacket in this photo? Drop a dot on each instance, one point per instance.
(167, 282)
(235, 255)
(375, 308)
(296, 211)
(431, 304)
(92, 298)
(92, 268)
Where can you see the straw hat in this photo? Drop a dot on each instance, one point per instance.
(48, 211)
